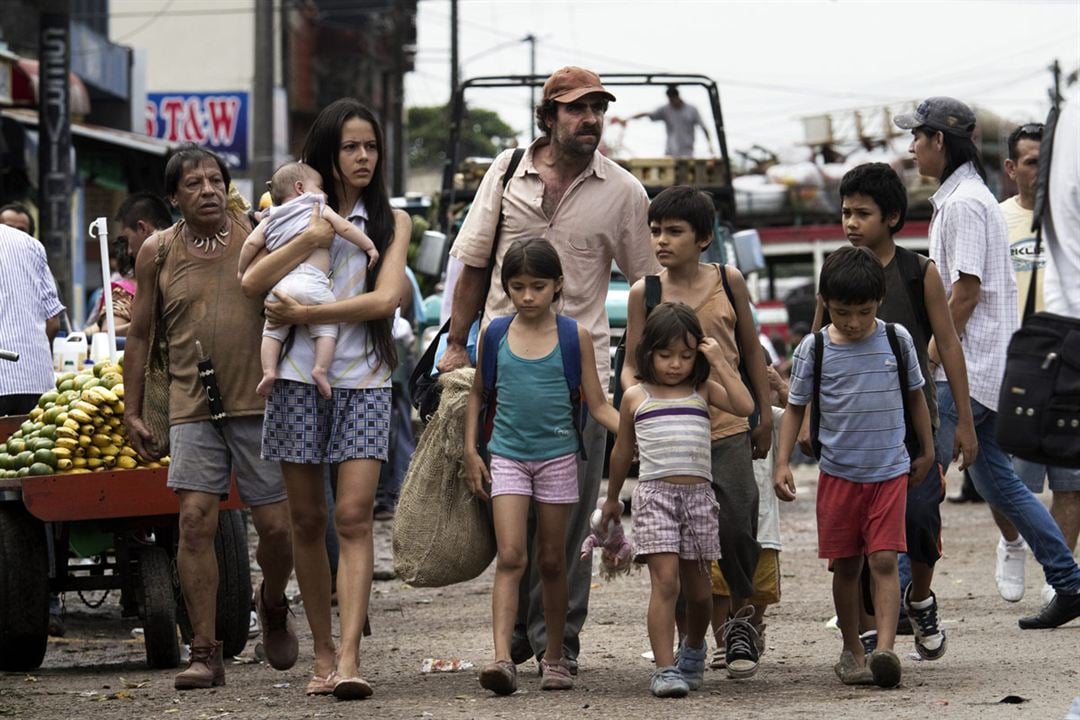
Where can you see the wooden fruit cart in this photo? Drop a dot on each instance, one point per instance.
(124, 526)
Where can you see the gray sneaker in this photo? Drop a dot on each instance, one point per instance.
(691, 663)
(668, 682)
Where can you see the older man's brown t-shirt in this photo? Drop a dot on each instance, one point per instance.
(202, 300)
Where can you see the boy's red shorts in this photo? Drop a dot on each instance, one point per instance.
(856, 519)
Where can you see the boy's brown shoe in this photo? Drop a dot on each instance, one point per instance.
(850, 673)
(885, 667)
(279, 639)
(205, 668)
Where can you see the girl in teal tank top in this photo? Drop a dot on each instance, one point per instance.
(533, 454)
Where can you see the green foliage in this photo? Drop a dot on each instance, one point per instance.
(483, 133)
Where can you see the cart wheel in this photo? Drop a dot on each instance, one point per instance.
(158, 605)
(234, 582)
(24, 589)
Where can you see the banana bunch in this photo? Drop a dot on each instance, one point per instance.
(76, 428)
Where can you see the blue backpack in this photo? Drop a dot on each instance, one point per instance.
(570, 348)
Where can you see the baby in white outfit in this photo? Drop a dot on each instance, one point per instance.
(296, 191)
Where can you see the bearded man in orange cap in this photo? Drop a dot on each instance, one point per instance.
(593, 212)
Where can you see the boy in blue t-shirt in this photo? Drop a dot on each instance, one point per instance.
(865, 466)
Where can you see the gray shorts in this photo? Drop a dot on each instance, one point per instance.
(203, 457)
(1033, 475)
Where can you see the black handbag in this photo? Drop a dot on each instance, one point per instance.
(423, 386)
(1039, 406)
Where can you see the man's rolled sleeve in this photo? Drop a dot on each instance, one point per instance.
(473, 243)
(633, 251)
(966, 224)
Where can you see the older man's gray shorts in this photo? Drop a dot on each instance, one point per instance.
(202, 458)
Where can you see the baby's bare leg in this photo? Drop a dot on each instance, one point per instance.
(324, 356)
(269, 353)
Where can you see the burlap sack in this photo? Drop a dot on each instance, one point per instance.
(442, 532)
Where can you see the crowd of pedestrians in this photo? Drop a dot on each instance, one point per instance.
(899, 377)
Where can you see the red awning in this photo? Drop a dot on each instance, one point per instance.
(25, 87)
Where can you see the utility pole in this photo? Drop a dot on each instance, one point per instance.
(262, 124)
(54, 144)
(531, 39)
(455, 77)
(1055, 94)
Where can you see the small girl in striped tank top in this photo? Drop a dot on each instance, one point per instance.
(676, 527)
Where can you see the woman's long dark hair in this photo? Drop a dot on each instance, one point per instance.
(321, 149)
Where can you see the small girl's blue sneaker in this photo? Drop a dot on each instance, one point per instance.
(668, 682)
(691, 663)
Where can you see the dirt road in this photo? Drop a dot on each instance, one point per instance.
(97, 670)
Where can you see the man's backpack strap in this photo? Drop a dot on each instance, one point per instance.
(815, 399)
(511, 168)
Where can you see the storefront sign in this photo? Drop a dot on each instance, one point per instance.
(54, 149)
(217, 121)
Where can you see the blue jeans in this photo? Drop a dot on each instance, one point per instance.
(999, 485)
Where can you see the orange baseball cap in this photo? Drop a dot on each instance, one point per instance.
(571, 83)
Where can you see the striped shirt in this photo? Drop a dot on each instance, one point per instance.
(862, 411)
(355, 366)
(673, 437)
(27, 299)
(968, 235)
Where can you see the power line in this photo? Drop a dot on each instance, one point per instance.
(154, 18)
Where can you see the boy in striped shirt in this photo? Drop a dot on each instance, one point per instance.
(865, 467)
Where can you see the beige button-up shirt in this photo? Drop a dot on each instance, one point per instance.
(602, 217)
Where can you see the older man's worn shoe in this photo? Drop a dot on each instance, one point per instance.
(279, 639)
(205, 669)
(500, 677)
(1058, 611)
